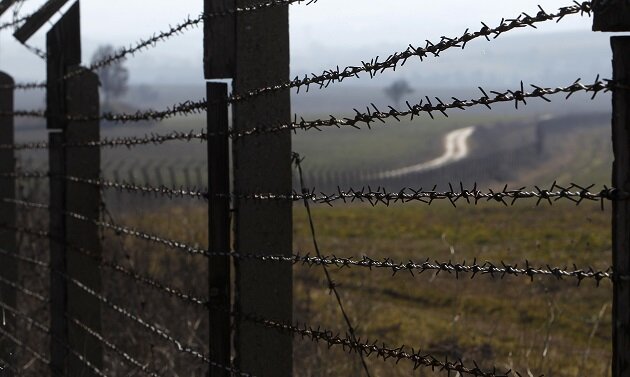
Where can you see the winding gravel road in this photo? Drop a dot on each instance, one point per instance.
(456, 148)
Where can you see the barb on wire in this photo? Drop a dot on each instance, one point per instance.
(331, 284)
(396, 59)
(153, 40)
(23, 345)
(22, 289)
(373, 114)
(111, 346)
(151, 327)
(374, 348)
(45, 330)
(574, 193)
(126, 141)
(475, 269)
(428, 106)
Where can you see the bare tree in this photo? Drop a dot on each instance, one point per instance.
(397, 90)
(114, 77)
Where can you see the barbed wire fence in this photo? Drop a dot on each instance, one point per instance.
(248, 301)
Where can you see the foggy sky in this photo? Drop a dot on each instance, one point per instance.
(333, 25)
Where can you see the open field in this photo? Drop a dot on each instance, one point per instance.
(544, 326)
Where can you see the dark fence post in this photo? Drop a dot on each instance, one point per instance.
(76, 96)
(262, 163)
(219, 222)
(614, 15)
(82, 100)
(8, 241)
(621, 209)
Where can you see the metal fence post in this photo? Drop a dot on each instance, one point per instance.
(219, 222)
(262, 163)
(621, 209)
(76, 96)
(8, 241)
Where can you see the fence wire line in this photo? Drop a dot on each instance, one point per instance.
(151, 327)
(126, 141)
(23, 345)
(372, 115)
(23, 290)
(380, 196)
(347, 342)
(332, 287)
(500, 269)
(162, 36)
(374, 67)
(46, 330)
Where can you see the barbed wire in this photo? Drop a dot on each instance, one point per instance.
(125, 141)
(332, 287)
(348, 343)
(14, 22)
(162, 36)
(151, 328)
(46, 330)
(4, 364)
(23, 290)
(492, 269)
(396, 59)
(373, 113)
(41, 358)
(368, 348)
(112, 347)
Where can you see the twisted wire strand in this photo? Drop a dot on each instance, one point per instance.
(396, 59)
(331, 285)
(372, 113)
(127, 141)
(46, 330)
(500, 269)
(151, 327)
(23, 290)
(374, 348)
(162, 36)
(112, 347)
(23, 345)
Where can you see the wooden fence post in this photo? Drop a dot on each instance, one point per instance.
(262, 163)
(8, 241)
(219, 222)
(614, 15)
(621, 209)
(76, 96)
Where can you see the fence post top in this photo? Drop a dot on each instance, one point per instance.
(6, 78)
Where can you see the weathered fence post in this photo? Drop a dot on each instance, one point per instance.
(76, 96)
(262, 163)
(621, 209)
(219, 54)
(219, 222)
(8, 241)
(614, 15)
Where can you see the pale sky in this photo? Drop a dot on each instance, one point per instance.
(328, 24)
